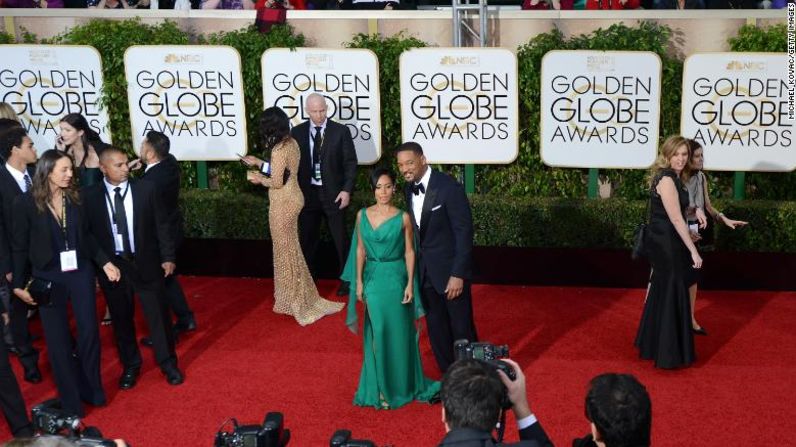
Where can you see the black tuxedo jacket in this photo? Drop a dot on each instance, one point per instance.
(166, 177)
(445, 237)
(338, 159)
(32, 239)
(9, 191)
(154, 241)
(533, 436)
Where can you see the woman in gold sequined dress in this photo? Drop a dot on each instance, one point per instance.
(294, 290)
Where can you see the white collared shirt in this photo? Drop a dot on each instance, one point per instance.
(128, 207)
(18, 176)
(312, 148)
(417, 200)
(150, 166)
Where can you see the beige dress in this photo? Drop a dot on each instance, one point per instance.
(294, 290)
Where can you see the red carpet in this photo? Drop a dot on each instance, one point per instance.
(245, 361)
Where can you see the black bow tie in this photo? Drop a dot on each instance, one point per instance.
(417, 188)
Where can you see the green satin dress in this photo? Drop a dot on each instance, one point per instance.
(392, 374)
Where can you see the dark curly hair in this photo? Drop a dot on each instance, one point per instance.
(274, 128)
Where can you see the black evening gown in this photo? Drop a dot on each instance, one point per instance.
(664, 334)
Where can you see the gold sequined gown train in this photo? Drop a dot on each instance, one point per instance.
(294, 290)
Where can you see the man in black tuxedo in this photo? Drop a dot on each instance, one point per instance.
(473, 394)
(16, 148)
(129, 221)
(163, 170)
(441, 212)
(11, 401)
(326, 176)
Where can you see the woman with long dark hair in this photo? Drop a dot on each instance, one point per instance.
(699, 207)
(294, 290)
(83, 144)
(664, 334)
(50, 235)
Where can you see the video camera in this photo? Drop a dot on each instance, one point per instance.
(50, 418)
(342, 438)
(487, 353)
(270, 434)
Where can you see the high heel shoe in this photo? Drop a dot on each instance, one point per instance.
(699, 331)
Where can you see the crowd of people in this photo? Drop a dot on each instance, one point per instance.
(391, 4)
(67, 225)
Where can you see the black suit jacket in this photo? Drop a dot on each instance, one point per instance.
(154, 241)
(338, 159)
(445, 237)
(32, 240)
(9, 191)
(166, 177)
(533, 436)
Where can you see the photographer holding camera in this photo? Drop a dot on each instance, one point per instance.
(474, 392)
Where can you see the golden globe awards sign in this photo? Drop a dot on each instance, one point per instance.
(736, 106)
(42, 83)
(348, 79)
(193, 94)
(461, 104)
(600, 109)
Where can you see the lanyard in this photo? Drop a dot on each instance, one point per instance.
(110, 202)
(62, 220)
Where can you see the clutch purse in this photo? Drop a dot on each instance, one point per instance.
(40, 290)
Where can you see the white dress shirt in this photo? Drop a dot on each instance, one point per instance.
(18, 176)
(150, 166)
(312, 149)
(128, 208)
(417, 200)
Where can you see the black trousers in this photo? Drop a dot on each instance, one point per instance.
(18, 314)
(122, 307)
(447, 321)
(11, 401)
(175, 298)
(317, 206)
(76, 377)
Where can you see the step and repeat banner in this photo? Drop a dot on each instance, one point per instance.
(348, 79)
(736, 106)
(461, 104)
(193, 94)
(599, 109)
(43, 83)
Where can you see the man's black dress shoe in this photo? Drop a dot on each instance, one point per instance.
(700, 331)
(344, 289)
(146, 341)
(185, 326)
(173, 375)
(129, 378)
(32, 375)
(12, 349)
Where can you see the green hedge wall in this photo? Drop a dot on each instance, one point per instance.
(511, 222)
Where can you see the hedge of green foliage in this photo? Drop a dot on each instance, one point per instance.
(512, 222)
(526, 177)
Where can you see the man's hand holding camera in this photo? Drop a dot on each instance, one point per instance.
(516, 390)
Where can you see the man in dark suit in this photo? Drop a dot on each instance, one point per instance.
(163, 170)
(16, 148)
(11, 401)
(129, 221)
(473, 394)
(326, 175)
(439, 207)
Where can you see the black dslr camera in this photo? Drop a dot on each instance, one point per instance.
(486, 352)
(342, 438)
(270, 434)
(49, 418)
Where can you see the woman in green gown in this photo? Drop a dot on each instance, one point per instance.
(381, 270)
